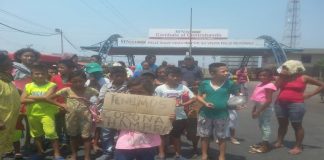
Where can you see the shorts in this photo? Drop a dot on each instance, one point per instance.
(40, 125)
(191, 128)
(78, 122)
(293, 111)
(207, 127)
(178, 126)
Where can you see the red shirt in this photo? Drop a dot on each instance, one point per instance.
(292, 91)
(57, 79)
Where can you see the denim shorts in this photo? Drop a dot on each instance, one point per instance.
(293, 111)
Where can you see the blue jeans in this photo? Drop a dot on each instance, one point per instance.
(107, 140)
(138, 154)
(265, 122)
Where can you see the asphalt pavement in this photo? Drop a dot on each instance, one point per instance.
(247, 132)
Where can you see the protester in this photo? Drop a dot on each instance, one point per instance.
(133, 144)
(148, 75)
(130, 73)
(78, 117)
(96, 59)
(192, 75)
(174, 89)
(65, 68)
(242, 79)
(9, 106)
(233, 121)
(213, 116)
(96, 78)
(145, 68)
(262, 109)
(52, 71)
(105, 70)
(150, 59)
(164, 64)
(160, 76)
(41, 114)
(290, 105)
(24, 58)
(118, 84)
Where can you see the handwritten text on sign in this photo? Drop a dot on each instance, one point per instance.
(148, 114)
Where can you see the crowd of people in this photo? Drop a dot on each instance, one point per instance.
(61, 104)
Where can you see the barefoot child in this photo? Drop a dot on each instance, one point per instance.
(262, 109)
(118, 77)
(132, 144)
(213, 116)
(174, 89)
(78, 117)
(40, 113)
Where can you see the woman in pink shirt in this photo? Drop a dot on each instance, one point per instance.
(132, 144)
(262, 98)
(290, 104)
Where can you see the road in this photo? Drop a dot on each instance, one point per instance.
(247, 132)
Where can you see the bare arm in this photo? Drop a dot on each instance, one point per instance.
(265, 105)
(310, 80)
(51, 99)
(191, 101)
(24, 98)
(201, 99)
(43, 97)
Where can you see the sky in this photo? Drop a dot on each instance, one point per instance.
(87, 22)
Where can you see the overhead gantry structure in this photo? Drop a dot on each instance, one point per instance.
(271, 47)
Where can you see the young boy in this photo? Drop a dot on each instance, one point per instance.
(118, 77)
(40, 113)
(213, 116)
(174, 89)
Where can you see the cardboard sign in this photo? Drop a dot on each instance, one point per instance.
(149, 114)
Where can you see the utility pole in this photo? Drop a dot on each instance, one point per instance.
(61, 33)
(190, 34)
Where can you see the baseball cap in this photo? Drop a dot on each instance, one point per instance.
(93, 67)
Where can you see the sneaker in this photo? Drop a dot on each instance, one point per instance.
(105, 157)
(235, 141)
